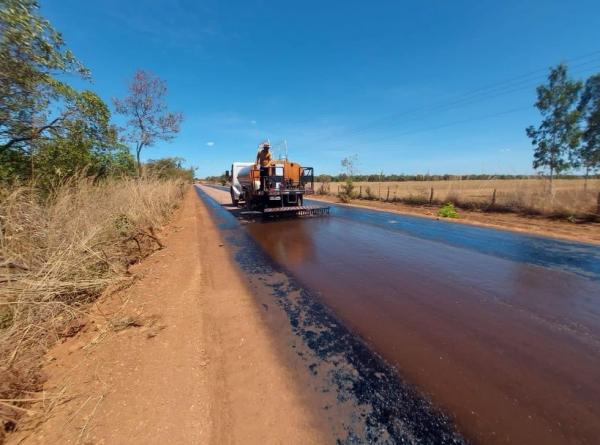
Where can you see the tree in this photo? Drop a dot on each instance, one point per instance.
(32, 99)
(146, 109)
(589, 107)
(169, 168)
(45, 124)
(557, 137)
(48, 130)
(349, 165)
(86, 140)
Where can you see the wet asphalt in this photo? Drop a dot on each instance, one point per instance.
(429, 332)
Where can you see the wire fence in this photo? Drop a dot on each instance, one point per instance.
(565, 196)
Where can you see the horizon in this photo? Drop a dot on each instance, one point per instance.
(358, 177)
(439, 88)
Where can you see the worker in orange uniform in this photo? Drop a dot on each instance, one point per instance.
(263, 158)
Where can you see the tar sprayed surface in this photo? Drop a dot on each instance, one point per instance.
(501, 330)
(362, 396)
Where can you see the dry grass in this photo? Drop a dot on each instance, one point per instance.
(58, 254)
(569, 197)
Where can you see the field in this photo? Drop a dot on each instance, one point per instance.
(568, 197)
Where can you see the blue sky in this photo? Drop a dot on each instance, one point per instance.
(409, 87)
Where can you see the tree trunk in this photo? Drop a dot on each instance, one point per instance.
(32, 160)
(138, 151)
(553, 158)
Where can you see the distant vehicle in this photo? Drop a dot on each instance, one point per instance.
(278, 191)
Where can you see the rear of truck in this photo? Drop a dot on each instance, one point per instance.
(277, 189)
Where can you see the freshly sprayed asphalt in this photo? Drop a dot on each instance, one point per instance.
(421, 325)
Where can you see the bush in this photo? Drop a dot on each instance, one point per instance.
(448, 211)
(347, 191)
(324, 188)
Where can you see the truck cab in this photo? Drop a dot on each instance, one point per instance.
(235, 190)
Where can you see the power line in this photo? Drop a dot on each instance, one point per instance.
(450, 124)
(462, 103)
(467, 98)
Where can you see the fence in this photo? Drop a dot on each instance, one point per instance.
(568, 196)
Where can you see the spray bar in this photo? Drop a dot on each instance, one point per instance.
(296, 211)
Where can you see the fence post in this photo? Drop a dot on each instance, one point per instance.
(493, 199)
(360, 191)
(388, 194)
(431, 196)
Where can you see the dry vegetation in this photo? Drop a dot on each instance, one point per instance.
(570, 197)
(57, 254)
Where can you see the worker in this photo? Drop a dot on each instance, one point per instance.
(263, 158)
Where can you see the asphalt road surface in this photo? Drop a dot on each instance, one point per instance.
(500, 330)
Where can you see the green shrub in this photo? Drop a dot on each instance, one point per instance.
(448, 211)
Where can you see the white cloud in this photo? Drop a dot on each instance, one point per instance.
(253, 122)
(210, 144)
(504, 150)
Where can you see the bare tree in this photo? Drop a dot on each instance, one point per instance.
(146, 108)
(349, 165)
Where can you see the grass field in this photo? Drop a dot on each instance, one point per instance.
(569, 196)
(58, 252)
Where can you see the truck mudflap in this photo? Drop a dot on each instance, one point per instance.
(295, 211)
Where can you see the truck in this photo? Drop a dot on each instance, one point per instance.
(277, 189)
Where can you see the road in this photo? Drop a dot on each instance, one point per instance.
(500, 330)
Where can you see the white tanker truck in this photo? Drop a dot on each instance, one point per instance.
(278, 191)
